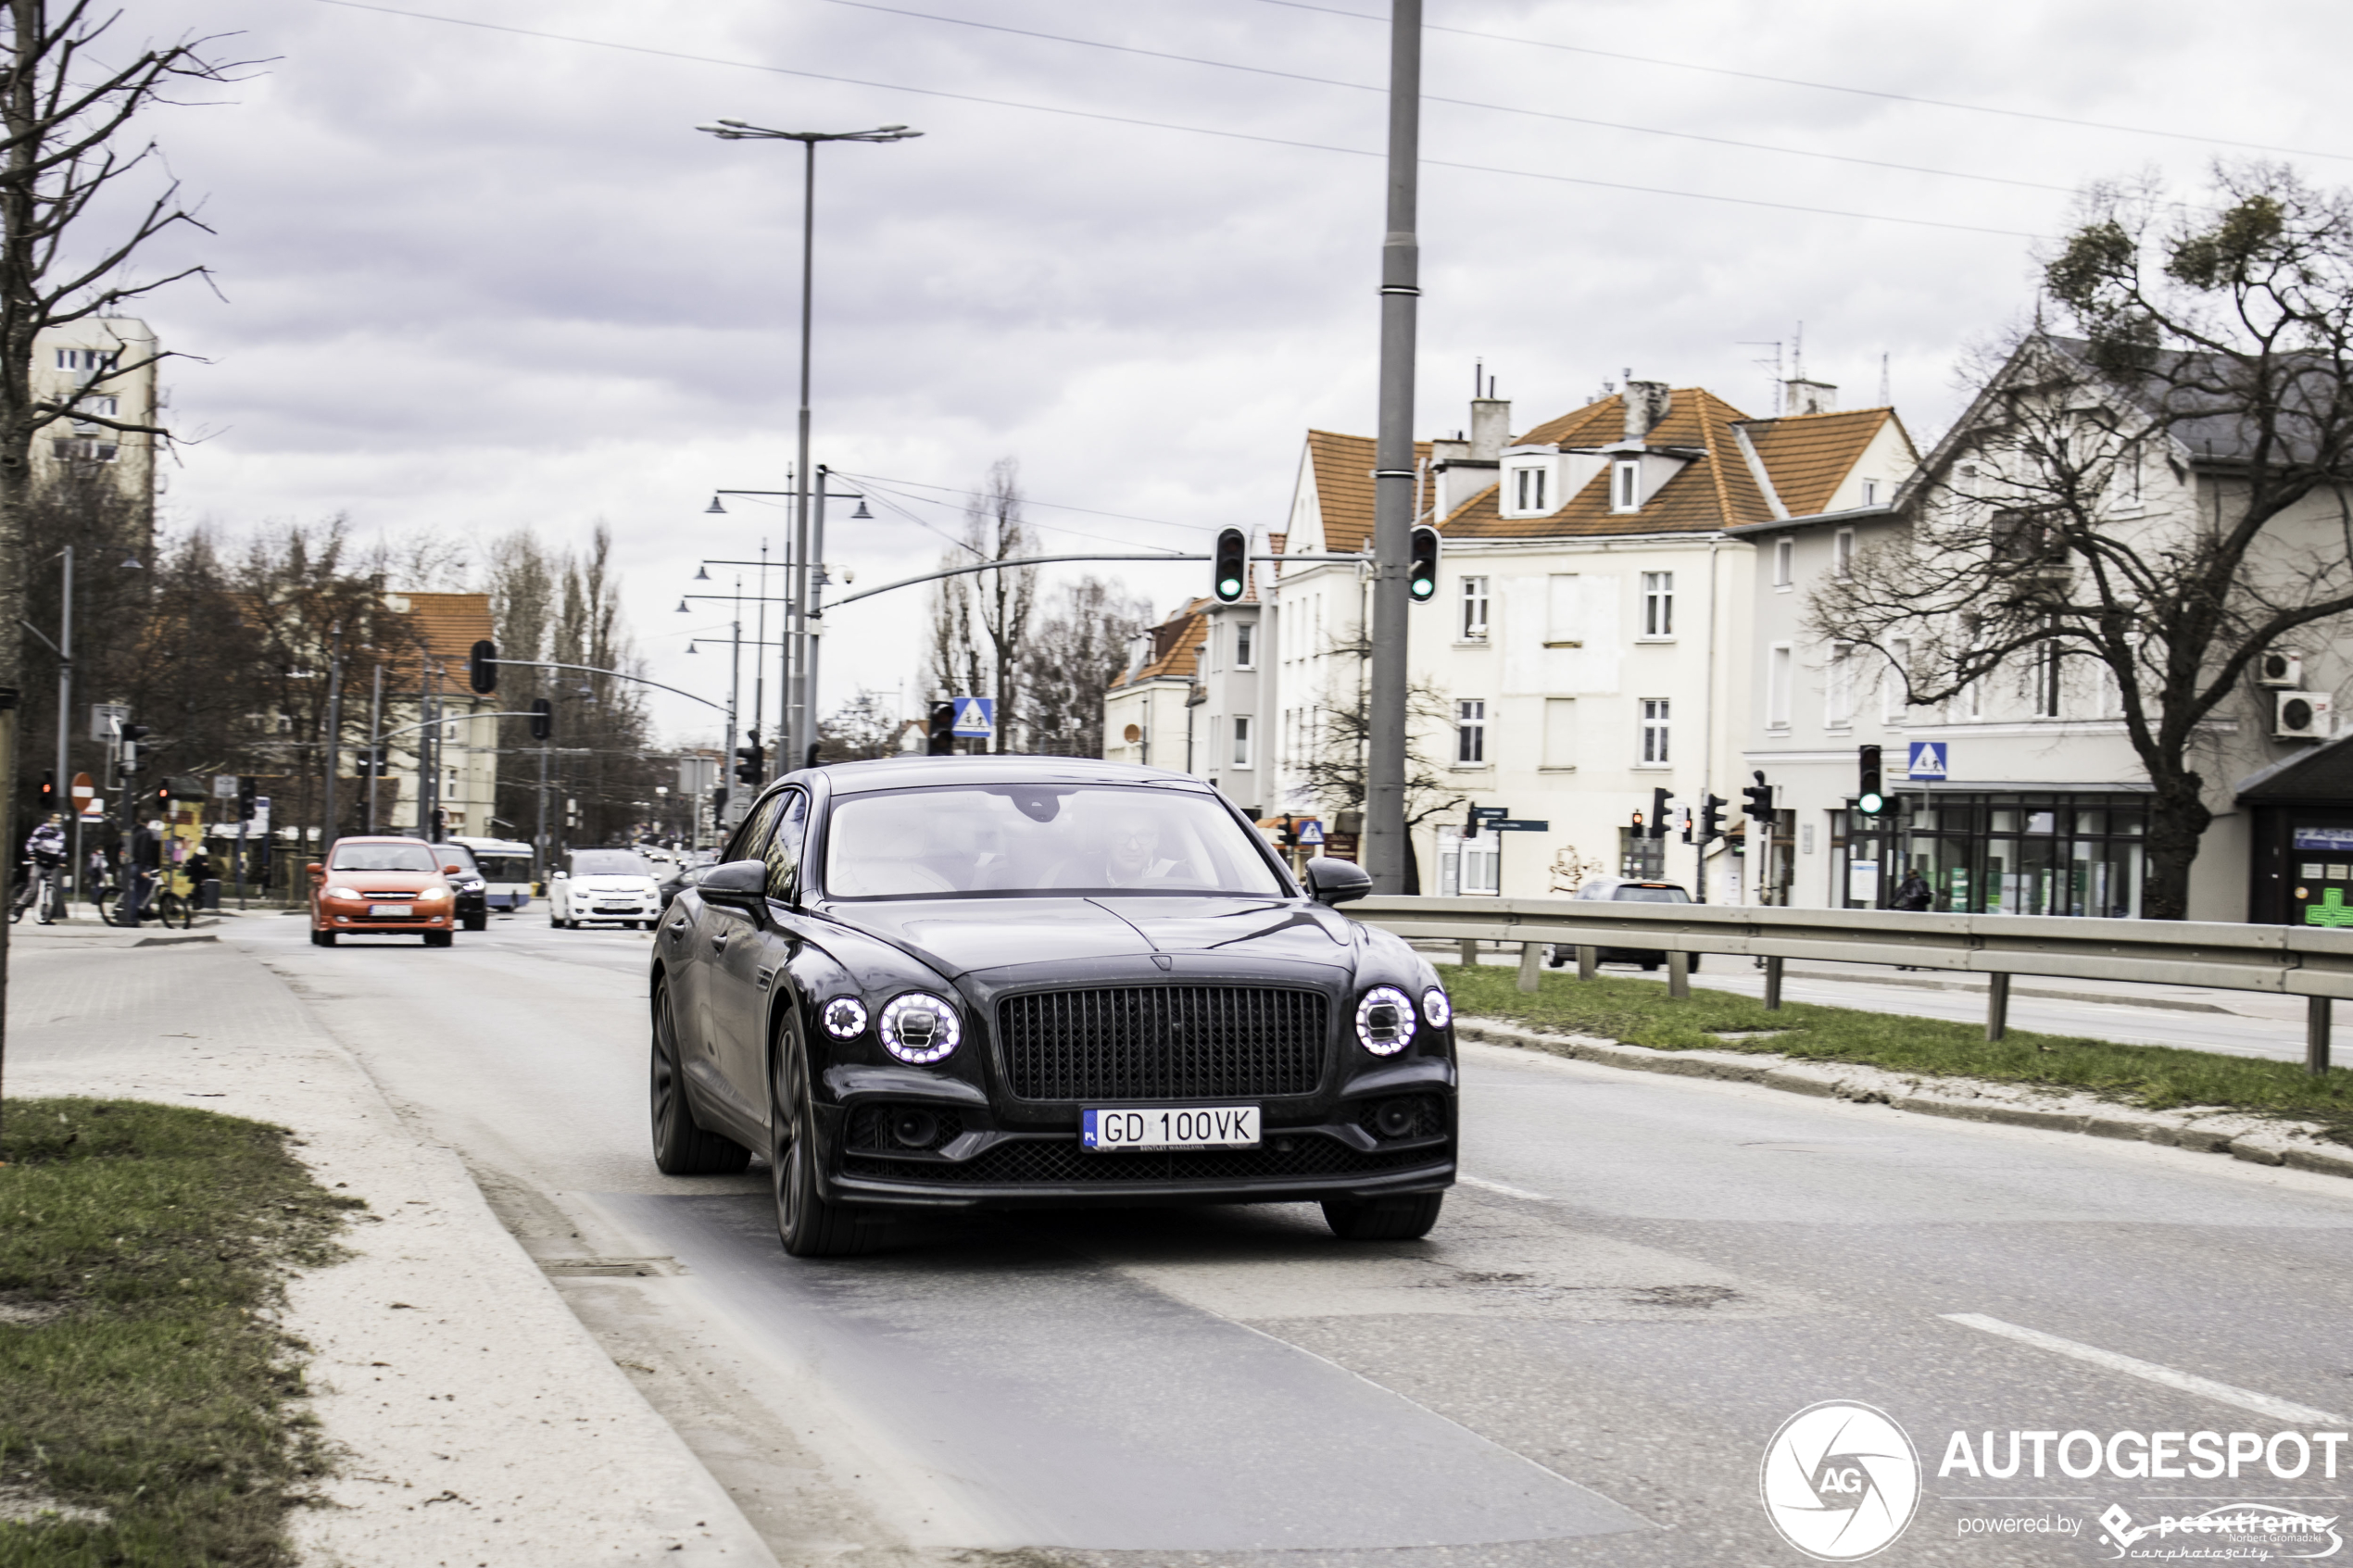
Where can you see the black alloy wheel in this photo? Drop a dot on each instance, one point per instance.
(808, 1224)
(1407, 1216)
(477, 922)
(440, 940)
(681, 1146)
(321, 938)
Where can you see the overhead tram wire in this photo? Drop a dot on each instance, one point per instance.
(1028, 501)
(1821, 86)
(892, 503)
(1189, 130)
(1458, 102)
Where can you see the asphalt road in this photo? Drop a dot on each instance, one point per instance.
(1584, 1365)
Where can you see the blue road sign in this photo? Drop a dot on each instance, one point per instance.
(1927, 760)
(976, 718)
(1311, 833)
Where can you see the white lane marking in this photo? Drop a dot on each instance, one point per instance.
(2188, 1382)
(1498, 1186)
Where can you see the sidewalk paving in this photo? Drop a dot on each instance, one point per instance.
(480, 1423)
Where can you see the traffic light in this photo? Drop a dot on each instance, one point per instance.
(49, 791)
(131, 735)
(543, 718)
(482, 667)
(1759, 797)
(1470, 825)
(1869, 799)
(719, 803)
(1232, 574)
(1660, 797)
(1711, 817)
(248, 793)
(751, 761)
(1683, 823)
(940, 732)
(1421, 571)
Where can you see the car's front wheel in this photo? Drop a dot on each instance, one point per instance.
(1407, 1216)
(682, 1147)
(808, 1224)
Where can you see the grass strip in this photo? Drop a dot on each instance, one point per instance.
(148, 1394)
(1638, 1012)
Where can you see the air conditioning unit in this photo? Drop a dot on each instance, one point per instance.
(2285, 670)
(2301, 716)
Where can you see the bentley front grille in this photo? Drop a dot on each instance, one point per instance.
(1164, 1042)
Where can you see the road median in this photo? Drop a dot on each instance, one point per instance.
(2268, 1112)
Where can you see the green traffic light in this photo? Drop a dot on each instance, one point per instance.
(1424, 588)
(1229, 588)
(1870, 804)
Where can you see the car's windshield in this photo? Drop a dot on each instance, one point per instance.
(383, 858)
(1632, 895)
(504, 868)
(607, 862)
(1023, 838)
(456, 855)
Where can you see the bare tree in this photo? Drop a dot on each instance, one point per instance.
(862, 728)
(1335, 765)
(1074, 654)
(981, 622)
(2157, 497)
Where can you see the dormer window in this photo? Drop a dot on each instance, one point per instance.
(1870, 492)
(1626, 487)
(1527, 490)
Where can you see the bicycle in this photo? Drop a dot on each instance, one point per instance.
(165, 906)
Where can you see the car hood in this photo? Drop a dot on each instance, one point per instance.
(965, 936)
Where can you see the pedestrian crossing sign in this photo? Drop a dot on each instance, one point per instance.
(976, 718)
(1927, 760)
(1311, 833)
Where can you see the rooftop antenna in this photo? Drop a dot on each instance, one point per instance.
(1775, 345)
(1885, 401)
(1478, 376)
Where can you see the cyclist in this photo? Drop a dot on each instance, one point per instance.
(47, 848)
(143, 868)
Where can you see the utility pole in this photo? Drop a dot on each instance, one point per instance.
(375, 752)
(1393, 476)
(335, 738)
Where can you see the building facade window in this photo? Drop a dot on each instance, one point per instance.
(1870, 492)
(1658, 603)
(105, 406)
(1626, 488)
(1527, 490)
(88, 358)
(1468, 865)
(1784, 562)
(88, 448)
(1843, 552)
(2045, 677)
(1838, 687)
(1241, 740)
(1658, 726)
(1778, 661)
(1245, 645)
(1474, 610)
(1470, 731)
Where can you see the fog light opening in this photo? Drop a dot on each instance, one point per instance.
(915, 1128)
(1395, 1119)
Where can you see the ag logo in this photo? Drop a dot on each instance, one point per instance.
(1839, 1481)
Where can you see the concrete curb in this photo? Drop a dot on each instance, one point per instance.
(2263, 1140)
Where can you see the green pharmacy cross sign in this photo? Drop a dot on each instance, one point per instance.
(2330, 910)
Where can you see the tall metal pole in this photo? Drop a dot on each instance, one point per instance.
(65, 709)
(1385, 845)
(376, 750)
(800, 732)
(806, 613)
(334, 741)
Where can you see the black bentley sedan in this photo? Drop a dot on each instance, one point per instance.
(928, 981)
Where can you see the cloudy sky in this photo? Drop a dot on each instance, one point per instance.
(474, 278)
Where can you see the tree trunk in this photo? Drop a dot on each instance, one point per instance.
(2178, 820)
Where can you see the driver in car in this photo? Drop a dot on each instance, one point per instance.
(1134, 858)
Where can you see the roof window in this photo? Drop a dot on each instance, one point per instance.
(1626, 486)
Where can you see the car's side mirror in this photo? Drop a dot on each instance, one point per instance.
(1336, 881)
(317, 870)
(453, 871)
(563, 876)
(738, 882)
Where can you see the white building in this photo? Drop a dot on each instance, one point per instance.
(106, 365)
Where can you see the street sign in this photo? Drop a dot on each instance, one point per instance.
(1491, 813)
(225, 787)
(106, 718)
(1929, 759)
(976, 718)
(1506, 824)
(1311, 833)
(83, 788)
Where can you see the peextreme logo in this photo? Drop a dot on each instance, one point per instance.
(1839, 1481)
(2254, 1531)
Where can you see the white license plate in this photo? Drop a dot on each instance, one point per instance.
(1170, 1126)
(388, 908)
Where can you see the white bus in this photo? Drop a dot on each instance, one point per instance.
(506, 870)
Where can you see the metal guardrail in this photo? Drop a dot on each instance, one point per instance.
(2279, 960)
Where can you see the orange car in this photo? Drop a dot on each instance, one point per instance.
(377, 886)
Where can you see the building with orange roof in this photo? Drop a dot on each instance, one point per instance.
(1149, 712)
(1587, 642)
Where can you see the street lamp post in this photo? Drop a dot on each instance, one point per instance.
(737, 130)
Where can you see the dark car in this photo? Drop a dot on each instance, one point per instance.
(1624, 890)
(928, 981)
(473, 900)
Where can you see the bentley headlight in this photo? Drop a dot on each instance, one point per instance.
(1385, 1020)
(1436, 1009)
(920, 1028)
(844, 1017)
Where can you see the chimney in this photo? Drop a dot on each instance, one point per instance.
(1801, 396)
(1491, 427)
(1646, 404)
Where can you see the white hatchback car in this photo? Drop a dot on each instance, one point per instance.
(604, 885)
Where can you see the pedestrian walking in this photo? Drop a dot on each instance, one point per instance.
(49, 851)
(1914, 893)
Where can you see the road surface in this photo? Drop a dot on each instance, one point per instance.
(1645, 1278)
